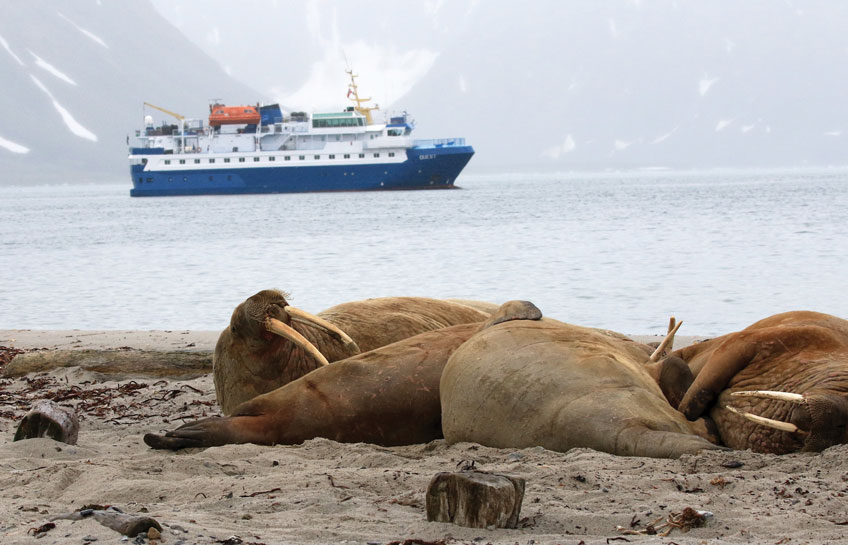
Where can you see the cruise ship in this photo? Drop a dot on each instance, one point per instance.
(261, 149)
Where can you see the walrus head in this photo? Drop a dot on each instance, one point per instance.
(822, 420)
(267, 314)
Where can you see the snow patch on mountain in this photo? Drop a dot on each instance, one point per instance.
(664, 137)
(14, 147)
(85, 32)
(73, 125)
(723, 124)
(5, 45)
(555, 152)
(41, 63)
(705, 84)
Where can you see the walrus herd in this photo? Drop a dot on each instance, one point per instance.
(404, 370)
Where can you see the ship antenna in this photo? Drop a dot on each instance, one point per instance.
(353, 90)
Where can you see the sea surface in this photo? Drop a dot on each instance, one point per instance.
(717, 249)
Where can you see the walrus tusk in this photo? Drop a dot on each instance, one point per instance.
(667, 342)
(768, 422)
(310, 319)
(279, 328)
(769, 394)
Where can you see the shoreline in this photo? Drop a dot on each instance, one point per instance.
(173, 340)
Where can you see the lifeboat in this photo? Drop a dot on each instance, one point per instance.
(232, 115)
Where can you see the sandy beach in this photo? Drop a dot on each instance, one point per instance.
(326, 492)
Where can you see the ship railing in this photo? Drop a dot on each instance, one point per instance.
(439, 143)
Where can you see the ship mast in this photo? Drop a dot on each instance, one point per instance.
(353, 90)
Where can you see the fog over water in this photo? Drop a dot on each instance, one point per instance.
(718, 250)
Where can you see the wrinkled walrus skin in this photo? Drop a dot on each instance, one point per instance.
(249, 360)
(545, 383)
(801, 352)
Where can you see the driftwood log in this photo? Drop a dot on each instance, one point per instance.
(115, 364)
(475, 499)
(49, 419)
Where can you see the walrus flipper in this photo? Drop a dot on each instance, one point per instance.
(207, 432)
(733, 355)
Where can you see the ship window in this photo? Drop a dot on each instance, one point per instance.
(391, 154)
(182, 161)
(167, 161)
(211, 161)
(317, 156)
(241, 159)
(376, 155)
(347, 156)
(226, 159)
(144, 161)
(332, 156)
(272, 158)
(302, 157)
(197, 161)
(229, 178)
(288, 157)
(149, 180)
(256, 159)
(362, 156)
(140, 179)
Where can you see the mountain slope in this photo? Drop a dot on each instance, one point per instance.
(75, 76)
(597, 84)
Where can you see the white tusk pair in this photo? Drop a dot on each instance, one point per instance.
(768, 422)
(279, 328)
(304, 317)
(668, 342)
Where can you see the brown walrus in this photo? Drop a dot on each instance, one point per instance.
(545, 383)
(388, 396)
(252, 358)
(778, 386)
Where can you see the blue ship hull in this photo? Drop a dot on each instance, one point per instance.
(424, 168)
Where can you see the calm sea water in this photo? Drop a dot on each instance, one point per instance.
(719, 250)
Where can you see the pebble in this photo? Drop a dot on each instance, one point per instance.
(153, 533)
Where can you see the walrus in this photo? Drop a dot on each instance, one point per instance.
(541, 382)
(778, 386)
(388, 396)
(270, 343)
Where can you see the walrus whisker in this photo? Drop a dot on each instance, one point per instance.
(771, 394)
(667, 342)
(279, 328)
(304, 317)
(768, 422)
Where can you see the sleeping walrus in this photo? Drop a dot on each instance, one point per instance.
(388, 396)
(270, 343)
(542, 382)
(778, 386)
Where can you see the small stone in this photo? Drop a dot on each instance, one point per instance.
(246, 516)
(89, 539)
(153, 533)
